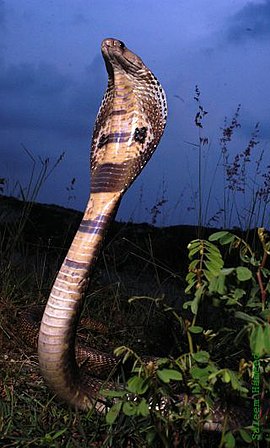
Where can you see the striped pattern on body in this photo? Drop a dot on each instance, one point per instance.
(127, 130)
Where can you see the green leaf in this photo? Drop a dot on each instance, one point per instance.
(193, 248)
(193, 265)
(197, 373)
(230, 300)
(194, 243)
(243, 273)
(227, 271)
(211, 248)
(217, 284)
(226, 239)
(112, 393)
(245, 436)
(195, 305)
(213, 267)
(162, 361)
(190, 277)
(137, 385)
(195, 329)
(216, 257)
(221, 286)
(195, 302)
(130, 408)
(217, 235)
(267, 339)
(194, 251)
(201, 356)
(245, 317)
(229, 440)
(143, 408)
(187, 291)
(226, 376)
(113, 413)
(166, 375)
(236, 385)
(238, 293)
(209, 275)
(257, 340)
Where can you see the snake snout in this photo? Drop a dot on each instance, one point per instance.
(110, 42)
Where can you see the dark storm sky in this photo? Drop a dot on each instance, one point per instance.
(52, 78)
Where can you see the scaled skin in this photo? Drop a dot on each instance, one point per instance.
(128, 128)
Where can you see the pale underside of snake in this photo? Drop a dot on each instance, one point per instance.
(129, 125)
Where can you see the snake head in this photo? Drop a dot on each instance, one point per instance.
(118, 57)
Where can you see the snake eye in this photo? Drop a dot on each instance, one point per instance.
(121, 44)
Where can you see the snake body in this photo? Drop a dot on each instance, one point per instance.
(129, 125)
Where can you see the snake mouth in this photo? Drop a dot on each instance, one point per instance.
(118, 56)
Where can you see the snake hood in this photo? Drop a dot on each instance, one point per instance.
(131, 118)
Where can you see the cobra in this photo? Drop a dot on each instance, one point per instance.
(128, 128)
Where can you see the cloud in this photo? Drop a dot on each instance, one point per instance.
(27, 78)
(41, 97)
(251, 22)
(31, 96)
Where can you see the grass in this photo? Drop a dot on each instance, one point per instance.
(243, 200)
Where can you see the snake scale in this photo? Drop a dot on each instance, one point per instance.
(129, 125)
